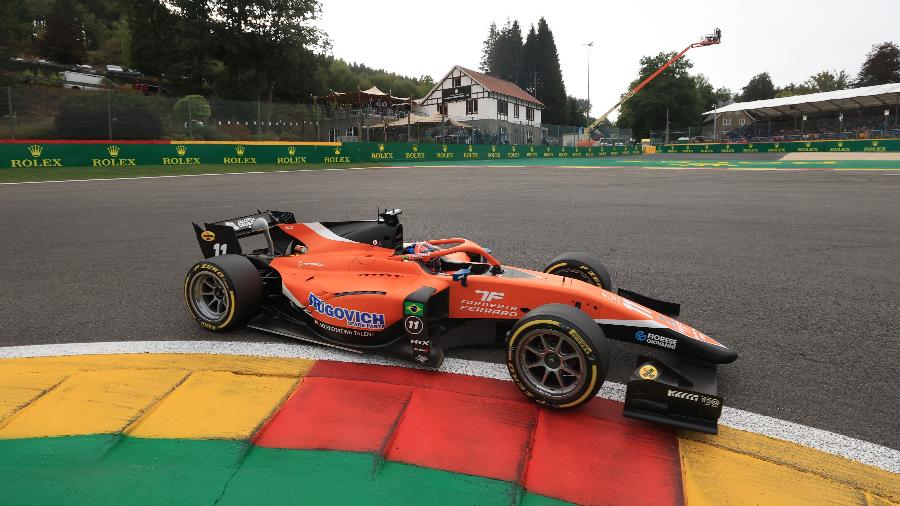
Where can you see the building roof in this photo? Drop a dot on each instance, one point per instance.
(491, 84)
(854, 98)
(500, 86)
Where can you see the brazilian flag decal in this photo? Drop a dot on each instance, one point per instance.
(414, 308)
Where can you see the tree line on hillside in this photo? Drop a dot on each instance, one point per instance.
(684, 97)
(233, 49)
(533, 65)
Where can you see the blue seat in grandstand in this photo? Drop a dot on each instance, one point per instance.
(894, 133)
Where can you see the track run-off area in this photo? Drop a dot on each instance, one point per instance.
(792, 263)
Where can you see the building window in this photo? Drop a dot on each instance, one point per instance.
(472, 106)
(516, 111)
(742, 121)
(442, 108)
(529, 113)
(502, 107)
(457, 82)
(726, 121)
(529, 137)
(351, 132)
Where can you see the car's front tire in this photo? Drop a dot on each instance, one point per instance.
(222, 292)
(581, 266)
(558, 356)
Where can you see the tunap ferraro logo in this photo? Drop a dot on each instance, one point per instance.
(352, 317)
(655, 339)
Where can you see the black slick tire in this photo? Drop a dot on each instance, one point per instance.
(558, 356)
(222, 292)
(581, 266)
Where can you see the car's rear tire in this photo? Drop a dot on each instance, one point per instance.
(558, 356)
(222, 292)
(581, 266)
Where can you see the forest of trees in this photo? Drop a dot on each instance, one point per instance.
(533, 64)
(233, 49)
(686, 96)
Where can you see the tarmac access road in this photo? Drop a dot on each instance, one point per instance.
(794, 269)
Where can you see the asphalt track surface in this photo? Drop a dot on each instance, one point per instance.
(796, 270)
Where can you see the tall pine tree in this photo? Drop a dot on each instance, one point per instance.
(550, 90)
(528, 78)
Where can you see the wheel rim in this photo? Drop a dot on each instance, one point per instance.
(209, 297)
(551, 363)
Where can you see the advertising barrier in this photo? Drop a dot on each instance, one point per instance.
(49, 154)
(854, 146)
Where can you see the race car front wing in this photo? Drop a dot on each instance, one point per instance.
(683, 395)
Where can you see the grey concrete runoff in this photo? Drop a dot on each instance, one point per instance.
(796, 270)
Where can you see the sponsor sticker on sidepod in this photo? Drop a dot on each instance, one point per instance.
(352, 317)
(655, 339)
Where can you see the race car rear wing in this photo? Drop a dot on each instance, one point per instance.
(222, 237)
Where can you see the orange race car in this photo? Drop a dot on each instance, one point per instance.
(356, 285)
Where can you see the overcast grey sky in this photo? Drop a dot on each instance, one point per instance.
(790, 39)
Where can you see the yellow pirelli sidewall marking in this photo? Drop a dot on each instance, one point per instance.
(94, 402)
(588, 391)
(215, 405)
(515, 336)
(552, 267)
(738, 466)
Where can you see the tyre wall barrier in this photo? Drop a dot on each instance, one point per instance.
(48, 154)
(854, 146)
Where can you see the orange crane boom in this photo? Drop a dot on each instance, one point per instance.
(708, 40)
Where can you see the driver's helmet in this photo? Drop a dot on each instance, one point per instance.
(424, 247)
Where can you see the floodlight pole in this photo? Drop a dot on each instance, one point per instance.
(589, 46)
(716, 121)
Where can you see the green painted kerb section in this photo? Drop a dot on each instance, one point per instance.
(860, 146)
(106, 469)
(45, 155)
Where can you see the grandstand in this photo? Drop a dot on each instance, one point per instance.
(859, 113)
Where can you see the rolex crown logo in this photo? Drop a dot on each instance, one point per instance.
(292, 150)
(840, 144)
(514, 148)
(808, 144)
(415, 148)
(444, 148)
(113, 151)
(35, 150)
(777, 145)
(874, 143)
(381, 147)
(548, 149)
(470, 148)
(493, 148)
(750, 146)
(337, 151)
(240, 150)
(181, 150)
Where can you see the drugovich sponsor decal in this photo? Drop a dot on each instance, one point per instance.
(35, 151)
(655, 339)
(181, 151)
(352, 317)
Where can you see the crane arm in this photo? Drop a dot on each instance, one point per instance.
(708, 40)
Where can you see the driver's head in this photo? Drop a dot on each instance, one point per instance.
(422, 248)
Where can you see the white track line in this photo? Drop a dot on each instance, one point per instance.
(854, 449)
(180, 175)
